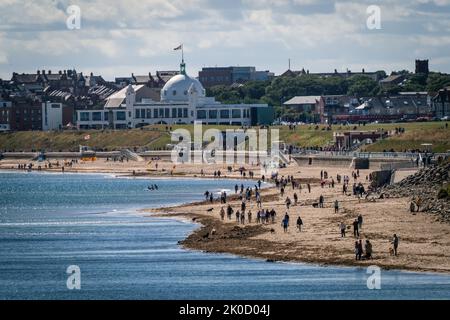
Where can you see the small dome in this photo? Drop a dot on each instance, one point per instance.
(177, 88)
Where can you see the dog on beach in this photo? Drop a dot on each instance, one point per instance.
(210, 210)
(315, 205)
(272, 230)
(391, 251)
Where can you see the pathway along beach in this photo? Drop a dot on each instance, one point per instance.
(424, 240)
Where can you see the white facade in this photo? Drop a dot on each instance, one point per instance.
(52, 114)
(183, 101)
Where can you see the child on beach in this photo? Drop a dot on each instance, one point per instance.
(222, 214)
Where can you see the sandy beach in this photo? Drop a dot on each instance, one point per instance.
(424, 241)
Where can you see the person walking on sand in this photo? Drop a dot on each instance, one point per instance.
(309, 188)
(238, 216)
(249, 216)
(222, 214)
(288, 202)
(242, 218)
(395, 244)
(336, 206)
(343, 227)
(355, 229)
(299, 224)
(295, 199)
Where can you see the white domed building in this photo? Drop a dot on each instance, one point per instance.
(183, 100)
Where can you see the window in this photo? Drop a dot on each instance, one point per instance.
(225, 114)
(213, 114)
(137, 113)
(174, 92)
(120, 115)
(201, 114)
(155, 113)
(166, 113)
(185, 112)
(142, 113)
(84, 116)
(161, 112)
(106, 116)
(236, 113)
(96, 116)
(180, 113)
(174, 112)
(149, 113)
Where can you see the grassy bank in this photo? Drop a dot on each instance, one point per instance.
(156, 137)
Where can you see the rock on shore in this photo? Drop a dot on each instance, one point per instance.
(425, 184)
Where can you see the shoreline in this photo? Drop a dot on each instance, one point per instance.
(324, 249)
(200, 240)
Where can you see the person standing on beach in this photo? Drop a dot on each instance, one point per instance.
(249, 216)
(355, 228)
(395, 244)
(295, 199)
(206, 194)
(309, 188)
(368, 250)
(243, 207)
(336, 206)
(238, 216)
(222, 214)
(236, 188)
(343, 227)
(358, 250)
(229, 212)
(211, 197)
(321, 201)
(259, 184)
(360, 221)
(242, 218)
(285, 223)
(299, 224)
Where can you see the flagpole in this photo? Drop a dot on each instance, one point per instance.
(182, 53)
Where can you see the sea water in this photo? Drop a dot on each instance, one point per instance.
(49, 222)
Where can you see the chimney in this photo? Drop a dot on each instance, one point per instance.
(49, 71)
(65, 71)
(92, 74)
(38, 72)
(60, 72)
(363, 70)
(43, 71)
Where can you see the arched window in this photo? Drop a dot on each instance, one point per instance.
(174, 92)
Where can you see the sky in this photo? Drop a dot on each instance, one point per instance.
(117, 38)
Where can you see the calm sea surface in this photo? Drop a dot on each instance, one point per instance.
(51, 221)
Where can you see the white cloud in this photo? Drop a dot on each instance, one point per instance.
(260, 31)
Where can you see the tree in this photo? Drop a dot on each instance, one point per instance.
(360, 85)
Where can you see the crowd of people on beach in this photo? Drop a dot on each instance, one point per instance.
(242, 214)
